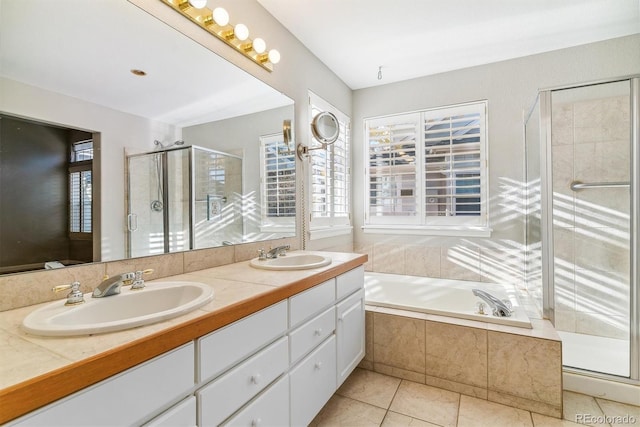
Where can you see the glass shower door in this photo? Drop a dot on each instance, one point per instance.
(145, 216)
(590, 182)
(158, 217)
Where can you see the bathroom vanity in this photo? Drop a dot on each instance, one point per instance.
(274, 357)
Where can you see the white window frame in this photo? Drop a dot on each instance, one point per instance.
(270, 224)
(420, 222)
(335, 223)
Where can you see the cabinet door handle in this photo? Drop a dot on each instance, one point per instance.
(255, 379)
(255, 422)
(318, 331)
(318, 365)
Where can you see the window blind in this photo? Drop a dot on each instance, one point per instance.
(80, 201)
(452, 152)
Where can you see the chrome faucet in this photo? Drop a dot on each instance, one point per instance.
(278, 251)
(500, 308)
(112, 285)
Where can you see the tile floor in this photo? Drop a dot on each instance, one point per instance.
(368, 398)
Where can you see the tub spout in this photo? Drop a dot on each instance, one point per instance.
(500, 309)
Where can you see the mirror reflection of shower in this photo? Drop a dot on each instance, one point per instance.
(183, 198)
(160, 146)
(157, 205)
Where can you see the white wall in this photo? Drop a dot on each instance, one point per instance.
(118, 130)
(510, 88)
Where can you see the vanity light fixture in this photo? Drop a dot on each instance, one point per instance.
(216, 22)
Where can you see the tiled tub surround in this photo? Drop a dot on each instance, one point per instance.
(514, 366)
(38, 370)
(452, 298)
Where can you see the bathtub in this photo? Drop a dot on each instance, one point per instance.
(444, 297)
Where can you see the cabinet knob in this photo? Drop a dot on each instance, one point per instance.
(318, 331)
(255, 378)
(318, 365)
(255, 422)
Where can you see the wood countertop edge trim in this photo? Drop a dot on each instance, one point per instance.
(27, 396)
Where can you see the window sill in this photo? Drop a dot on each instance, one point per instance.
(325, 232)
(454, 231)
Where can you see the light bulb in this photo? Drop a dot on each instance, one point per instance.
(241, 32)
(221, 16)
(259, 45)
(274, 56)
(198, 4)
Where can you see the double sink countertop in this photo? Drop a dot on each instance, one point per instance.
(35, 370)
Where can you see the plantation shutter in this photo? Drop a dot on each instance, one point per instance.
(453, 139)
(330, 173)
(393, 169)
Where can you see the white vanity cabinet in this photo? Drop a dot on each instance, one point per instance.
(276, 367)
(350, 344)
(125, 399)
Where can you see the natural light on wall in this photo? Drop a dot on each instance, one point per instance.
(216, 22)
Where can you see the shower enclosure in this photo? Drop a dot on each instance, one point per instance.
(183, 198)
(582, 150)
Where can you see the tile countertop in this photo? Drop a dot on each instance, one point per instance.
(35, 371)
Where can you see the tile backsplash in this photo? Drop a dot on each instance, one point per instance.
(20, 290)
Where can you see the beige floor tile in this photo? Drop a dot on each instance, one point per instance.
(426, 403)
(394, 419)
(342, 411)
(370, 387)
(620, 414)
(578, 407)
(479, 413)
(544, 421)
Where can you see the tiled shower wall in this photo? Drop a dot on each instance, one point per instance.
(590, 143)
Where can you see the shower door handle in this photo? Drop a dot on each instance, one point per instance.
(132, 222)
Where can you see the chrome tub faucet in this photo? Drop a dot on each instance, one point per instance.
(500, 308)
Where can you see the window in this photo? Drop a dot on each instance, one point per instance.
(80, 189)
(278, 182)
(428, 170)
(330, 177)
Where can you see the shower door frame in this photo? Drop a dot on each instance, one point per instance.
(634, 220)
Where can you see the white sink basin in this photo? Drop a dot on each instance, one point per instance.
(291, 262)
(156, 302)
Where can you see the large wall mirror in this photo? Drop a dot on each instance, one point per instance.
(121, 137)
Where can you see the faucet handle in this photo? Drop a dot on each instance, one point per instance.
(75, 296)
(262, 255)
(138, 281)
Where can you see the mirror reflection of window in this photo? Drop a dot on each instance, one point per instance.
(80, 190)
(278, 177)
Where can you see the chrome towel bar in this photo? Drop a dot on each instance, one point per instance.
(577, 185)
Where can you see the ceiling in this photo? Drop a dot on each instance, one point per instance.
(414, 38)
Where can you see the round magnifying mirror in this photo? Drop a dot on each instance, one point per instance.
(325, 127)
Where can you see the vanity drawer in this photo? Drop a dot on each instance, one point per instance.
(221, 349)
(312, 333)
(181, 414)
(308, 303)
(125, 399)
(313, 382)
(349, 282)
(228, 393)
(269, 409)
